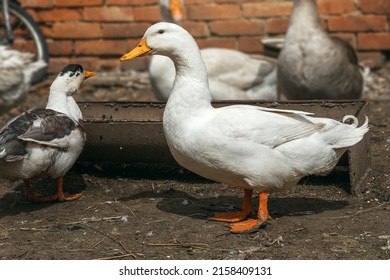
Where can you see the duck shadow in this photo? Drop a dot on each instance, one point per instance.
(158, 171)
(181, 203)
(14, 201)
(139, 171)
(338, 178)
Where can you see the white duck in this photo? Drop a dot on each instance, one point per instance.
(46, 142)
(313, 65)
(16, 71)
(251, 147)
(232, 74)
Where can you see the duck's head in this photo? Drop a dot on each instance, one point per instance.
(70, 79)
(162, 38)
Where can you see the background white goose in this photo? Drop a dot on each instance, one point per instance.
(251, 147)
(313, 65)
(16, 71)
(46, 142)
(232, 74)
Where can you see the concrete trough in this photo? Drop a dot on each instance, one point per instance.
(133, 132)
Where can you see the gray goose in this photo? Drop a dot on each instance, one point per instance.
(313, 65)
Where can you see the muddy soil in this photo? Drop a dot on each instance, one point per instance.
(161, 212)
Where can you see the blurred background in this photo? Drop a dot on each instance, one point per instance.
(96, 32)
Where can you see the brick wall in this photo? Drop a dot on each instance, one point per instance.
(96, 33)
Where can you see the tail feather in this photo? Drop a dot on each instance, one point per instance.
(347, 135)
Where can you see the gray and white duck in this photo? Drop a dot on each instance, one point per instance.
(232, 74)
(314, 65)
(46, 142)
(16, 71)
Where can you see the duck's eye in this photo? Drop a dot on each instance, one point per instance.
(161, 31)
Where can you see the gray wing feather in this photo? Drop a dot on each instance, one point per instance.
(36, 125)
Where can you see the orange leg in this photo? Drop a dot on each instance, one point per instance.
(233, 217)
(253, 224)
(60, 195)
(36, 196)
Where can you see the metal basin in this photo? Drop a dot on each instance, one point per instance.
(133, 132)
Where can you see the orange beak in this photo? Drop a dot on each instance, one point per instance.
(141, 49)
(88, 74)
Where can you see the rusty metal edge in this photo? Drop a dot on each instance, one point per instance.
(359, 157)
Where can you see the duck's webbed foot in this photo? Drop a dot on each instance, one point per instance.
(250, 225)
(247, 226)
(233, 217)
(59, 196)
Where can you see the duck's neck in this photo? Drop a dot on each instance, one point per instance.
(61, 102)
(165, 12)
(190, 87)
(304, 17)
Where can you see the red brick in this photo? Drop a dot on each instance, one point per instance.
(57, 15)
(372, 59)
(76, 30)
(227, 1)
(101, 47)
(56, 64)
(77, 3)
(131, 43)
(196, 28)
(124, 30)
(237, 27)
(378, 41)
(336, 6)
(213, 42)
(108, 14)
(246, 1)
(348, 37)
(267, 9)
(276, 25)
(242, 1)
(143, 2)
(250, 45)
(47, 31)
(140, 64)
(375, 6)
(357, 23)
(23, 45)
(118, 2)
(37, 3)
(90, 63)
(60, 47)
(109, 64)
(93, 63)
(147, 13)
(32, 12)
(198, 2)
(213, 12)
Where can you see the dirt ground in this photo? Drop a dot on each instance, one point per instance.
(155, 212)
